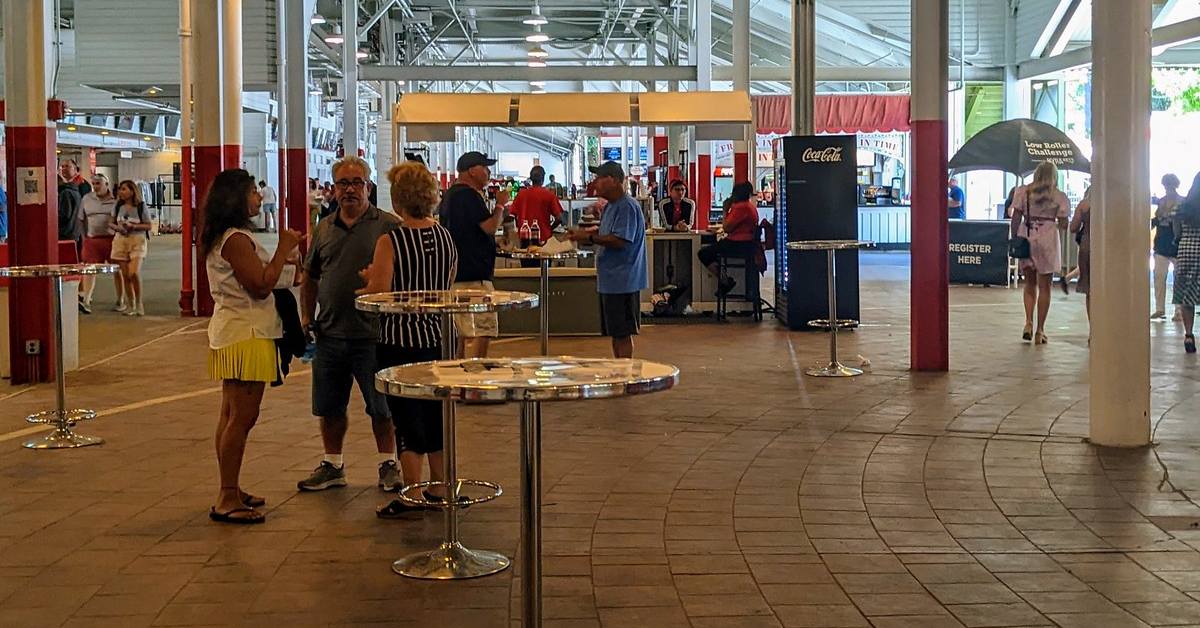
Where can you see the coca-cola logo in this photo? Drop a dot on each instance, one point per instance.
(831, 154)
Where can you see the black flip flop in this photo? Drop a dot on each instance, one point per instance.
(252, 501)
(397, 509)
(225, 517)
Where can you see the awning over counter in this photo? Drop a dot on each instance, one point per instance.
(837, 113)
(686, 108)
(454, 109)
(588, 110)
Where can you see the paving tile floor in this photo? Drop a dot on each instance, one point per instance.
(750, 496)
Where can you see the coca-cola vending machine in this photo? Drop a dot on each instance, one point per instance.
(816, 199)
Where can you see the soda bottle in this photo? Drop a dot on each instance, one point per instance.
(535, 233)
(526, 234)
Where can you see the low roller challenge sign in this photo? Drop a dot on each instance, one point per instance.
(979, 252)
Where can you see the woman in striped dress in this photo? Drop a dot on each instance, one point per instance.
(1187, 265)
(418, 255)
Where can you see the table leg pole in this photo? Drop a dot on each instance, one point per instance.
(833, 315)
(449, 462)
(531, 514)
(60, 369)
(544, 306)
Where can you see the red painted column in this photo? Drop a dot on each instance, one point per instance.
(741, 167)
(673, 173)
(33, 221)
(187, 291)
(294, 107)
(704, 173)
(930, 300)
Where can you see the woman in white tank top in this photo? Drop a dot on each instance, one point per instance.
(243, 328)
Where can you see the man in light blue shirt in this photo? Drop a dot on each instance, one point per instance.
(621, 260)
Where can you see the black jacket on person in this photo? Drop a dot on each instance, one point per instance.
(69, 200)
(294, 340)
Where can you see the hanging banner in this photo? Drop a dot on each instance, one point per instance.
(886, 144)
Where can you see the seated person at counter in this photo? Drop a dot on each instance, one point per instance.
(538, 204)
(740, 225)
(675, 210)
(621, 260)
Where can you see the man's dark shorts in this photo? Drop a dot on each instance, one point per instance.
(337, 365)
(620, 314)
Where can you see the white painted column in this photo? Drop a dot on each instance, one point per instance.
(700, 53)
(296, 98)
(350, 77)
(231, 83)
(742, 149)
(804, 60)
(385, 146)
(1120, 350)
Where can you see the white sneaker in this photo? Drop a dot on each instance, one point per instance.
(121, 307)
(138, 310)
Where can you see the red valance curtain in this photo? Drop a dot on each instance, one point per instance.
(837, 113)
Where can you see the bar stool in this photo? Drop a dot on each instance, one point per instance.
(751, 290)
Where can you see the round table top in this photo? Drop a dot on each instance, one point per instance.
(526, 379)
(56, 270)
(540, 255)
(446, 301)
(826, 245)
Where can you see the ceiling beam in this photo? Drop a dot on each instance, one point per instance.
(1170, 35)
(783, 74)
(520, 73)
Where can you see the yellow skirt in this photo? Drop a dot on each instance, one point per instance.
(254, 360)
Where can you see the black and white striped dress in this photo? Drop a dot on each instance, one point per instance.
(425, 259)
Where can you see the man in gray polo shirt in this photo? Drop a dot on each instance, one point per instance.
(342, 245)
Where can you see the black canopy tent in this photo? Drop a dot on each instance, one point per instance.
(1017, 147)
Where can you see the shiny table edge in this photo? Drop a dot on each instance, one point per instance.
(825, 245)
(56, 270)
(508, 300)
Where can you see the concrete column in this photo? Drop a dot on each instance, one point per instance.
(930, 300)
(624, 149)
(281, 114)
(207, 108)
(804, 59)
(231, 83)
(742, 149)
(1120, 351)
(385, 153)
(187, 293)
(701, 56)
(350, 77)
(29, 146)
(296, 132)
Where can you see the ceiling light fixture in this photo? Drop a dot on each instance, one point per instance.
(147, 138)
(538, 91)
(317, 18)
(314, 91)
(537, 37)
(104, 133)
(537, 83)
(361, 54)
(538, 52)
(72, 128)
(537, 63)
(334, 38)
(535, 18)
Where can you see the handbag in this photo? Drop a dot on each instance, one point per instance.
(1018, 247)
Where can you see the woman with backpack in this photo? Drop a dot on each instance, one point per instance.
(131, 241)
(1186, 295)
(1040, 212)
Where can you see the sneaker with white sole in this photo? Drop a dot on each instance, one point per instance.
(121, 307)
(389, 476)
(324, 476)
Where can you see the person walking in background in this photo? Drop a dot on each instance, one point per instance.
(956, 200)
(621, 261)
(1186, 293)
(739, 223)
(342, 245)
(538, 205)
(1040, 212)
(557, 188)
(270, 206)
(68, 172)
(1165, 243)
(464, 212)
(95, 216)
(1081, 227)
(417, 255)
(242, 330)
(130, 245)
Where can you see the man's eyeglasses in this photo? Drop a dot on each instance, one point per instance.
(350, 183)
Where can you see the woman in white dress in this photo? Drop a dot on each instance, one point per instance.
(1040, 212)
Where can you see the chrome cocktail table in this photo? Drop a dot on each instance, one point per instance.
(544, 260)
(450, 561)
(60, 417)
(529, 381)
(834, 368)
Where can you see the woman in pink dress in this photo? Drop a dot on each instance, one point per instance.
(1040, 212)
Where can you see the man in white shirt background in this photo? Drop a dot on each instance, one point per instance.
(270, 204)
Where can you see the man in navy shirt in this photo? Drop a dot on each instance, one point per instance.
(956, 201)
(621, 260)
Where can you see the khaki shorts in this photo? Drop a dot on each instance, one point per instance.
(125, 248)
(485, 325)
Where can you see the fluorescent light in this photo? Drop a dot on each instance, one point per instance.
(317, 18)
(147, 138)
(535, 18)
(361, 54)
(335, 37)
(534, 63)
(538, 52)
(314, 91)
(538, 91)
(537, 37)
(537, 83)
(72, 128)
(104, 133)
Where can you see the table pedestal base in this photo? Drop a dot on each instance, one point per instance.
(833, 369)
(451, 561)
(62, 437)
